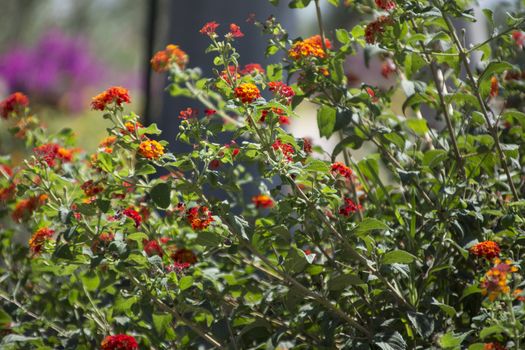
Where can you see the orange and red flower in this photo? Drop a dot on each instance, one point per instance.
(184, 256)
(286, 149)
(281, 89)
(119, 342)
(247, 92)
(114, 95)
(235, 31)
(188, 113)
(90, 188)
(252, 68)
(161, 61)
(310, 47)
(349, 207)
(37, 241)
(341, 169)
(495, 281)
(494, 346)
(199, 217)
(262, 201)
(209, 29)
(494, 87)
(486, 249)
(133, 215)
(14, 103)
(152, 248)
(151, 149)
(25, 207)
(519, 38)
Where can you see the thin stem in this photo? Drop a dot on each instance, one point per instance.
(475, 89)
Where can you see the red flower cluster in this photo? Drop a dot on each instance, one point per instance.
(235, 31)
(486, 249)
(14, 103)
(283, 119)
(519, 38)
(134, 215)
(90, 188)
(119, 342)
(310, 47)
(494, 346)
(188, 113)
(199, 217)
(386, 5)
(307, 145)
(25, 207)
(37, 241)
(252, 68)
(172, 54)
(7, 193)
(114, 95)
(184, 256)
(209, 29)
(341, 169)
(375, 28)
(262, 201)
(49, 152)
(152, 248)
(388, 67)
(286, 149)
(281, 89)
(247, 92)
(349, 207)
(209, 112)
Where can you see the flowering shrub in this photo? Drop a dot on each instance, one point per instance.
(327, 254)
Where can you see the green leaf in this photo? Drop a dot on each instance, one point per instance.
(342, 36)
(295, 261)
(152, 129)
(160, 194)
(494, 68)
(434, 157)
(449, 310)
(137, 236)
(334, 2)
(91, 281)
(423, 324)
(326, 120)
(144, 168)
(452, 341)
(390, 341)
(488, 331)
(317, 165)
(105, 162)
(298, 4)
(342, 281)
(397, 257)
(370, 224)
(161, 322)
(185, 282)
(419, 126)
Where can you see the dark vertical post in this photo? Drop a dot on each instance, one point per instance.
(149, 47)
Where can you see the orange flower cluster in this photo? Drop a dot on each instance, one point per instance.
(247, 92)
(495, 280)
(341, 169)
(199, 217)
(107, 143)
(486, 249)
(262, 201)
(310, 47)
(114, 95)
(37, 241)
(151, 149)
(132, 127)
(171, 55)
(25, 207)
(119, 342)
(14, 103)
(493, 346)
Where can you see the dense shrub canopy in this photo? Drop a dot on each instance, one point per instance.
(135, 246)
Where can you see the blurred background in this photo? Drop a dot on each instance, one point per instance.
(62, 52)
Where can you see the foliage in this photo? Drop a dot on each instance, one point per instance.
(328, 255)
